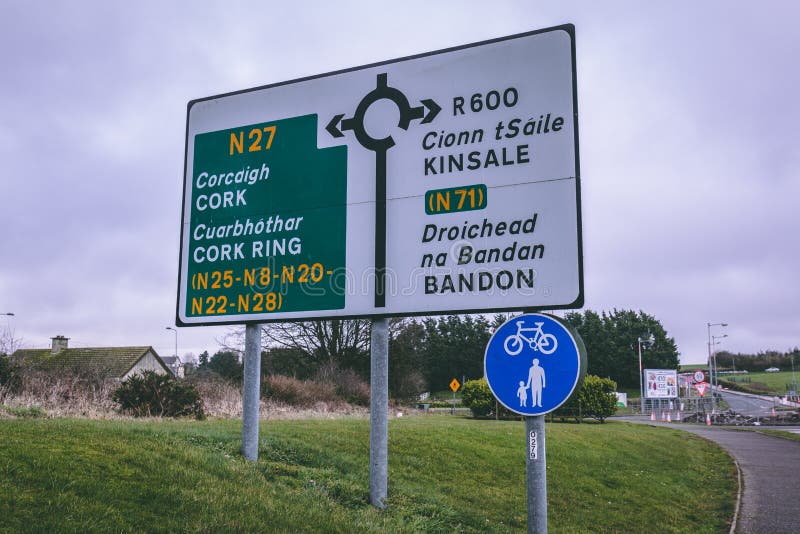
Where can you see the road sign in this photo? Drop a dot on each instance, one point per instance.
(699, 376)
(439, 183)
(701, 388)
(454, 385)
(661, 383)
(533, 363)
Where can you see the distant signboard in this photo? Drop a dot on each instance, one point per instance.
(661, 383)
(440, 183)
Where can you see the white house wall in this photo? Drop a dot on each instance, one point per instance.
(148, 363)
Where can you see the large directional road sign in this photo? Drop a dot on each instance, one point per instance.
(439, 183)
(533, 363)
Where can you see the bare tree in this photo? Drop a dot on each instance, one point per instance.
(333, 341)
(9, 343)
(327, 341)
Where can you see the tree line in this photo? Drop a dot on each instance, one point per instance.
(759, 361)
(426, 354)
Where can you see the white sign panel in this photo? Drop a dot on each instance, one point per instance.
(661, 383)
(440, 183)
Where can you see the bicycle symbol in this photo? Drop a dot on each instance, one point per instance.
(544, 343)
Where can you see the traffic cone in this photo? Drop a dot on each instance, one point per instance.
(663, 417)
(773, 411)
(669, 417)
(652, 415)
(708, 419)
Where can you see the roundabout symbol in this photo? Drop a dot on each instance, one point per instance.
(355, 124)
(382, 91)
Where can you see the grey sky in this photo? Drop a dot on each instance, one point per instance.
(687, 114)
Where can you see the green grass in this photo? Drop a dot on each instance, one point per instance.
(21, 411)
(445, 475)
(776, 383)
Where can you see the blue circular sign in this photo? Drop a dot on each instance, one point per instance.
(533, 363)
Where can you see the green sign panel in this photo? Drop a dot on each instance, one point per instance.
(268, 221)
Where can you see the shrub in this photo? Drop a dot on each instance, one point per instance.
(10, 379)
(221, 397)
(153, 394)
(476, 395)
(571, 408)
(597, 397)
(297, 392)
(349, 386)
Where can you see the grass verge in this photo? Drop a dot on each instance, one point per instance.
(445, 475)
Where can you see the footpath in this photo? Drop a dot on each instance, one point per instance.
(770, 468)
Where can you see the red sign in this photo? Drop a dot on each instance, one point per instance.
(701, 388)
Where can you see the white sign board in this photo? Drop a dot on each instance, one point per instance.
(661, 383)
(440, 183)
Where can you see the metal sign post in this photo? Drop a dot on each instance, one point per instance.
(379, 412)
(536, 474)
(533, 364)
(251, 390)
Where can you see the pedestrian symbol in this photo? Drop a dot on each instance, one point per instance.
(533, 363)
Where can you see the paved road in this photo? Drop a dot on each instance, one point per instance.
(771, 470)
(749, 404)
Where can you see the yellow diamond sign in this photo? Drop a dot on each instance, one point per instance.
(454, 385)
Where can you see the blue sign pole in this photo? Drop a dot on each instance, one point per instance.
(533, 364)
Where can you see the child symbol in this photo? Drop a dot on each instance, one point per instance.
(522, 393)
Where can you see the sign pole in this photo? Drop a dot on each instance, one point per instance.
(533, 364)
(379, 412)
(536, 474)
(251, 390)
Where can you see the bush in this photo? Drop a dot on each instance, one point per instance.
(349, 386)
(10, 379)
(304, 393)
(477, 396)
(153, 394)
(597, 398)
(571, 408)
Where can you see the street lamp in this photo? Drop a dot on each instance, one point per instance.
(10, 347)
(176, 339)
(649, 341)
(710, 365)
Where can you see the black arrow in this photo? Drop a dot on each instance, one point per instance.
(433, 110)
(332, 126)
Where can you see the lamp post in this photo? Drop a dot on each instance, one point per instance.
(176, 339)
(649, 341)
(10, 347)
(710, 364)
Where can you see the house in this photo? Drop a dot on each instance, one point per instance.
(175, 366)
(116, 363)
